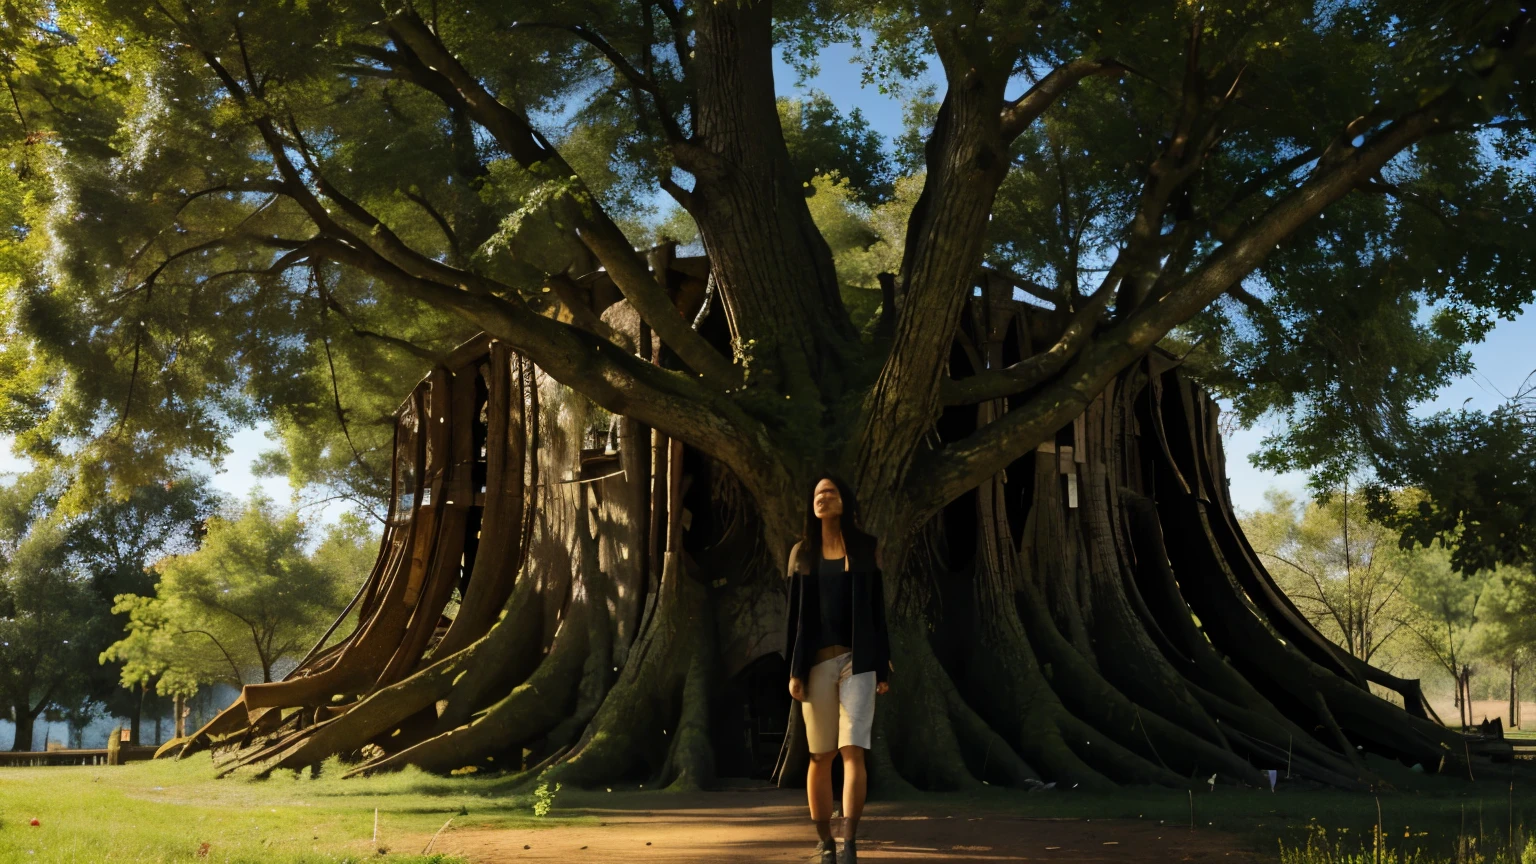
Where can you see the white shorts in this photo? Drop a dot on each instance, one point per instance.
(839, 706)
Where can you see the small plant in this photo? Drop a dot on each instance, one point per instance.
(544, 799)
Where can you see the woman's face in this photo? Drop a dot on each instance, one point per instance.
(826, 501)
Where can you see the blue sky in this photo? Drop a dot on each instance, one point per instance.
(1502, 360)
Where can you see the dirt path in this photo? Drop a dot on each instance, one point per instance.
(772, 825)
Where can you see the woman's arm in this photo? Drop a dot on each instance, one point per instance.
(882, 637)
(792, 608)
(792, 624)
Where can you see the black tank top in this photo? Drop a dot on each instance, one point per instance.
(836, 591)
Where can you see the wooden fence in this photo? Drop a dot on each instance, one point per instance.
(71, 757)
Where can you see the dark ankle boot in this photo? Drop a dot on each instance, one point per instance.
(850, 852)
(826, 852)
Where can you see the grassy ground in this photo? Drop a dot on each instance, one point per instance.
(166, 811)
(1422, 818)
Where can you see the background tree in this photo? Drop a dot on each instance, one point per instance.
(1507, 628)
(46, 611)
(209, 199)
(105, 549)
(250, 597)
(157, 653)
(114, 543)
(1446, 607)
(822, 141)
(1477, 472)
(1344, 572)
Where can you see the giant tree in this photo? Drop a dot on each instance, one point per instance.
(194, 178)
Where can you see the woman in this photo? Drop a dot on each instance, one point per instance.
(838, 652)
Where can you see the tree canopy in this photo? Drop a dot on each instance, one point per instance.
(229, 211)
(1478, 474)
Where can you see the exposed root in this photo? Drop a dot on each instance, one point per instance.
(495, 737)
(638, 716)
(690, 764)
(918, 729)
(380, 712)
(515, 642)
(1262, 658)
(1012, 696)
(988, 756)
(1223, 691)
(1084, 692)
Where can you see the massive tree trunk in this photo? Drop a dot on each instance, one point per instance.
(1090, 616)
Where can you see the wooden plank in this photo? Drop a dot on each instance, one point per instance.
(367, 654)
(53, 758)
(438, 405)
(495, 569)
(461, 433)
(448, 546)
(468, 353)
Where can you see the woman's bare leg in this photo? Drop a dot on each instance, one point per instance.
(855, 782)
(818, 788)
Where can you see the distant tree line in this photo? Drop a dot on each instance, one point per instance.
(1402, 605)
(127, 607)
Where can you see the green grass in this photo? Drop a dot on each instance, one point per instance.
(164, 811)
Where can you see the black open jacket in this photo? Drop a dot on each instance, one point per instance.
(871, 644)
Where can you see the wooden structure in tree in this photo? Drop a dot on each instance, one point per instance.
(460, 515)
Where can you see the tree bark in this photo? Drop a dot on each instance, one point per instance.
(1514, 697)
(136, 720)
(25, 722)
(773, 267)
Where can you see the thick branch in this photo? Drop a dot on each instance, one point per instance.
(614, 378)
(1253, 304)
(965, 464)
(571, 297)
(611, 376)
(1023, 111)
(596, 230)
(1032, 370)
(608, 374)
(967, 159)
(773, 268)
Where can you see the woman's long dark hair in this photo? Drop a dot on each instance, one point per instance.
(853, 530)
